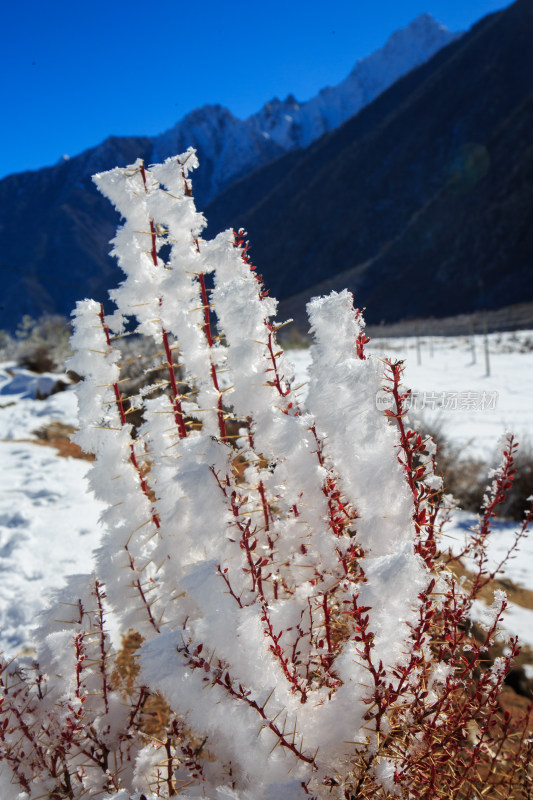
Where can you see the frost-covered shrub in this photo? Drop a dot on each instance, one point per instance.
(466, 477)
(42, 345)
(290, 626)
(522, 486)
(7, 346)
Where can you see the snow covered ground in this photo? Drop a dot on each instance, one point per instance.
(453, 393)
(49, 522)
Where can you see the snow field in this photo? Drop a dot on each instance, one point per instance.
(454, 395)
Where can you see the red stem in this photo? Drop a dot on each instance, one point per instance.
(326, 622)
(197, 662)
(178, 411)
(210, 342)
(103, 653)
(123, 419)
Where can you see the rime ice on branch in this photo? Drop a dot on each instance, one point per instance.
(279, 564)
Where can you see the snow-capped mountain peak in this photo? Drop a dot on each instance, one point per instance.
(230, 147)
(405, 49)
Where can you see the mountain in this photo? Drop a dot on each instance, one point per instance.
(422, 203)
(54, 233)
(291, 124)
(229, 147)
(55, 227)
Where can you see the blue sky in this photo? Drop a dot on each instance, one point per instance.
(74, 73)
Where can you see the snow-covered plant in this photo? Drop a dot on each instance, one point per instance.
(42, 345)
(270, 616)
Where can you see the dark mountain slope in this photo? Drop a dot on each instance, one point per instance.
(51, 213)
(393, 170)
(472, 245)
(478, 231)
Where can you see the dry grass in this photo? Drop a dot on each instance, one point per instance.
(57, 435)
